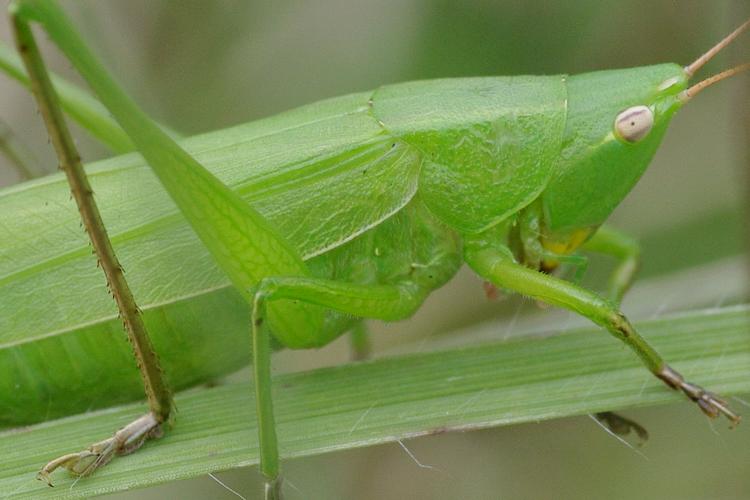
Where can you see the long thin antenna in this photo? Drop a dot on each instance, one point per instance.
(688, 94)
(693, 67)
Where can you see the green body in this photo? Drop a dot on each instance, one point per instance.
(377, 188)
(346, 181)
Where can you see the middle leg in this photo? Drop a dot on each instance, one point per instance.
(387, 302)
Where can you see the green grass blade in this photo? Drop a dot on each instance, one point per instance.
(81, 106)
(394, 398)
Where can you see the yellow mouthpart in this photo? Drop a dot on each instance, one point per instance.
(568, 244)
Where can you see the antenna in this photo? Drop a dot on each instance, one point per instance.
(688, 94)
(693, 67)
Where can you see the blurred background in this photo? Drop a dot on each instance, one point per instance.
(198, 66)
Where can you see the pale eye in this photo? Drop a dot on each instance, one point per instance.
(634, 123)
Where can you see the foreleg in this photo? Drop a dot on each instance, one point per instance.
(498, 266)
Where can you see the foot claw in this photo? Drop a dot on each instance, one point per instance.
(125, 441)
(713, 406)
(709, 403)
(622, 426)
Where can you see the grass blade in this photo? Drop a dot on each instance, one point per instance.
(88, 112)
(389, 399)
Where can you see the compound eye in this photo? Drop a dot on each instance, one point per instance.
(634, 123)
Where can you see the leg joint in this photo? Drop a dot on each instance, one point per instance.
(265, 288)
(619, 323)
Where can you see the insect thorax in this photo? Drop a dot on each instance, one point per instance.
(489, 144)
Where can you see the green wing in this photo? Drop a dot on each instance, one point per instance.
(322, 174)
